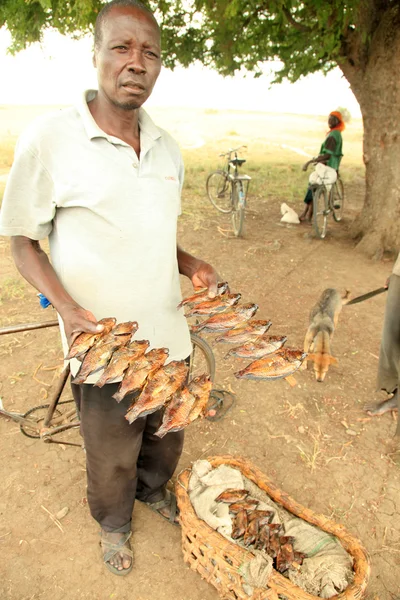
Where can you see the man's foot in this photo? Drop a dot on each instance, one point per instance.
(166, 508)
(117, 553)
(380, 408)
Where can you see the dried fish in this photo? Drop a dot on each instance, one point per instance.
(246, 332)
(85, 341)
(215, 306)
(136, 375)
(262, 516)
(283, 363)
(202, 295)
(239, 525)
(230, 496)
(98, 357)
(227, 320)
(177, 412)
(251, 532)
(200, 387)
(262, 346)
(120, 361)
(249, 504)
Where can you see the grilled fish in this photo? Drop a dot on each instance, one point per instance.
(262, 541)
(97, 358)
(262, 516)
(283, 363)
(246, 332)
(251, 532)
(215, 306)
(249, 504)
(121, 360)
(259, 348)
(200, 387)
(85, 341)
(165, 382)
(227, 320)
(202, 295)
(177, 412)
(230, 496)
(137, 373)
(239, 525)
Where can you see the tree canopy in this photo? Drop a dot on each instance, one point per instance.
(228, 35)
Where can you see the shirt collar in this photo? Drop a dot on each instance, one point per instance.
(146, 124)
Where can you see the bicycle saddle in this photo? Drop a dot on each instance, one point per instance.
(237, 162)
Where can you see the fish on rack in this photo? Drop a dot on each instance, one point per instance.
(245, 332)
(164, 383)
(177, 412)
(282, 364)
(98, 357)
(217, 305)
(84, 341)
(192, 405)
(203, 294)
(120, 361)
(227, 320)
(138, 372)
(262, 346)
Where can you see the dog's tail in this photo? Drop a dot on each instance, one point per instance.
(321, 355)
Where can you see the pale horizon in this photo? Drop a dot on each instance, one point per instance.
(58, 70)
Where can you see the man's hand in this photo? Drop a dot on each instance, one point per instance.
(78, 320)
(205, 276)
(305, 166)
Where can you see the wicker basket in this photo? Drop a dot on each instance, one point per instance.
(218, 560)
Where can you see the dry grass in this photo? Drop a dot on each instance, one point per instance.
(12, 289)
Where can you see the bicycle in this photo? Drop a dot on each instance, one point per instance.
(326, 202)
(228, 190)
(48, 420)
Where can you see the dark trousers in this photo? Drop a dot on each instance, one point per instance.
(389, 354)
(308, 196)
(123, 461)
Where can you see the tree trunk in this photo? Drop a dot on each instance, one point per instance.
(374, 79)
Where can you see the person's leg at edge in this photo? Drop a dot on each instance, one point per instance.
(306, 215)
(112, 448)
(389, 355)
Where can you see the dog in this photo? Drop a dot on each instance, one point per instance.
(323, 321)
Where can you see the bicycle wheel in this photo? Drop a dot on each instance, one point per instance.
(336, 199)
(238, 206)
(218, 191)
(202, 359)
(320, 211)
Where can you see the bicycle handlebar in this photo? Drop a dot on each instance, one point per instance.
(232, 150)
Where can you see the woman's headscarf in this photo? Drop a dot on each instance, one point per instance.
(341, 126)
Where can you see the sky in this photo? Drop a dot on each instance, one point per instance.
(59, 69)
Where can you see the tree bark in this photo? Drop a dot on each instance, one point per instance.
(374, 79)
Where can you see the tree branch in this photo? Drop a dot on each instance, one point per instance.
(292, 21)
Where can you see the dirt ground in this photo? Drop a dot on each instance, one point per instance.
(313, 440)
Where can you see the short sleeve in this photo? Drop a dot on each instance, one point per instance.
(330, 144)
(28, 206)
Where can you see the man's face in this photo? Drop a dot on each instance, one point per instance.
(128, 58)
(333, 121)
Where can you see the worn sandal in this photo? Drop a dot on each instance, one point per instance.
(109, 550)
(169, 501)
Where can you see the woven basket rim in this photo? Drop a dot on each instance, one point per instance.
(278, 582)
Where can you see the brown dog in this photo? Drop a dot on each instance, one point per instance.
(323, 320)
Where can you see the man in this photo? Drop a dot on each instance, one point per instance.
(103, 183)
(330, 155)
(389, 354)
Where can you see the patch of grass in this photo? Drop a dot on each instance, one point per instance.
(12, 289)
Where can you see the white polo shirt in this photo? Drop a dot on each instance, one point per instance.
(111, 218)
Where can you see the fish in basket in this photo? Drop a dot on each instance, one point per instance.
(258, 558)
